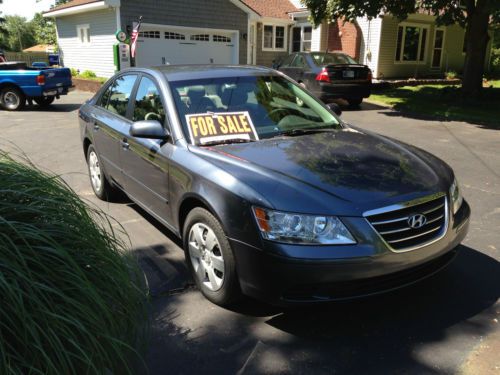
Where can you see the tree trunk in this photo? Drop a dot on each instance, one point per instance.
(477, 41)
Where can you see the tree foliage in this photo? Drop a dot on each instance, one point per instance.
(19, 33)
(44, 30)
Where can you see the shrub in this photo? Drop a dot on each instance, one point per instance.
(88, 74)
(74, 72)
(451, 74)
(72, 300)
(495, 60)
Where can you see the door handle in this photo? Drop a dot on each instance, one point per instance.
(96, 127)
(125, 144)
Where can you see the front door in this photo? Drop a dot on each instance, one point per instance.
(437, 51)
(145, 162)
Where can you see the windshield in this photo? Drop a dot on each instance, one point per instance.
(246, 108)
(332, 58)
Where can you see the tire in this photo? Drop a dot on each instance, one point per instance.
(98, 180)
(12, 99)
(354, 103)
(213, 268)
(44, 101)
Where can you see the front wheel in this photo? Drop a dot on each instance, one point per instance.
(210, 258)
(12, 99)
(44, 101)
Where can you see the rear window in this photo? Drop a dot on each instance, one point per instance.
(270, 104)
(332, 58)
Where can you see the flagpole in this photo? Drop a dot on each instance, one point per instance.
(133, 40)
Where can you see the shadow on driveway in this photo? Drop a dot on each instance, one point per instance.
(428, 328)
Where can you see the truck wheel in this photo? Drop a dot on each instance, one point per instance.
(12, 99)
(210, 258)
(44, 101)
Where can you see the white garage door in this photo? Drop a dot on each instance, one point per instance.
(167, 45)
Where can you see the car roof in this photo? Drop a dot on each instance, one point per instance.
(188, 72)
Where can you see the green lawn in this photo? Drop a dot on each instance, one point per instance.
(444, 102)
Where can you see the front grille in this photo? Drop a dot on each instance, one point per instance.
(393, 226)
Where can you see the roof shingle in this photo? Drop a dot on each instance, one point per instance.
(271, 8)
(71, 4)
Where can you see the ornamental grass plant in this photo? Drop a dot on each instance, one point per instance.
(72, 300)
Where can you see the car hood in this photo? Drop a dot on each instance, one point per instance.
(352, 165)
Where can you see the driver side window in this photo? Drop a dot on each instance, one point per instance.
(148, 105)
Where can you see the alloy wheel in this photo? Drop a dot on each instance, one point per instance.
(95, 171)
(206, 256)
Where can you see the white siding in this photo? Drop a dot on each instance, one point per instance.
(370, 42)
(96, 56)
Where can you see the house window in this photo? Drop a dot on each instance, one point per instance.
(203, 37)
(301, 39)
(149, 34)
(437, 51)
(221, 38)
(274, 38)
(83, 34)
(170, 35)
(411, 43)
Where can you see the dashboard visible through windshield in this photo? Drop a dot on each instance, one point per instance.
(246, 108)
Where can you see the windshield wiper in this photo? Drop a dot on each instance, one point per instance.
(302, 131)
(227, 141)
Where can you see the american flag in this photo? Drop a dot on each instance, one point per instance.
(135, 35)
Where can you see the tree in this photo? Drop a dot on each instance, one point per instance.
(3, 33)
(474, 15)
(20, 33)
(44, 29)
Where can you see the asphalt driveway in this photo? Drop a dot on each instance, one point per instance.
(446, 324)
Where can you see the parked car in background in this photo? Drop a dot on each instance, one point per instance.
(329, 75)
(273, 195)
(19, 83)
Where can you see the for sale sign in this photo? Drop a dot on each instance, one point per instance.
(213, 127)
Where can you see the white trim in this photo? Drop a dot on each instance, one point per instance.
(443, 29)
(276, 21)
(118, 18)
(251, 40)
(99, 5)
(418, 61)
(273, 48)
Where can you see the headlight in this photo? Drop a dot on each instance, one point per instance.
(456, 196)
(302, 229)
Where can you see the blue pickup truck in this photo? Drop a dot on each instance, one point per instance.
(20, 83)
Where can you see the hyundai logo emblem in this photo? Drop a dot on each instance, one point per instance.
(417, 221)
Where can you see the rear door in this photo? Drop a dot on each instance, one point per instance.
(145, 162)
(109, 121)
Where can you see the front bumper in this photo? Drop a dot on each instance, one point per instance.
(285, 274)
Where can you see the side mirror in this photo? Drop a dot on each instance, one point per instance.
(148, 129)
(335, 108)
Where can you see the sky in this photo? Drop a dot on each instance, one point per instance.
(25, 8)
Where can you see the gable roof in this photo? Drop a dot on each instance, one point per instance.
(271, 8)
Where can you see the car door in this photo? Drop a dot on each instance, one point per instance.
(285, 66)
(145, 162)
(109, 121)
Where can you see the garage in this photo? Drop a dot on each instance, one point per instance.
(160, 45)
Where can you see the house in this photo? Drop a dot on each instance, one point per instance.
(173, 31)
(249, 32)
(415, 47)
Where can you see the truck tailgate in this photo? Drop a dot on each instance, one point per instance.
(55, 78)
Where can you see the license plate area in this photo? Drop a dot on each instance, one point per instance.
(348, 74)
